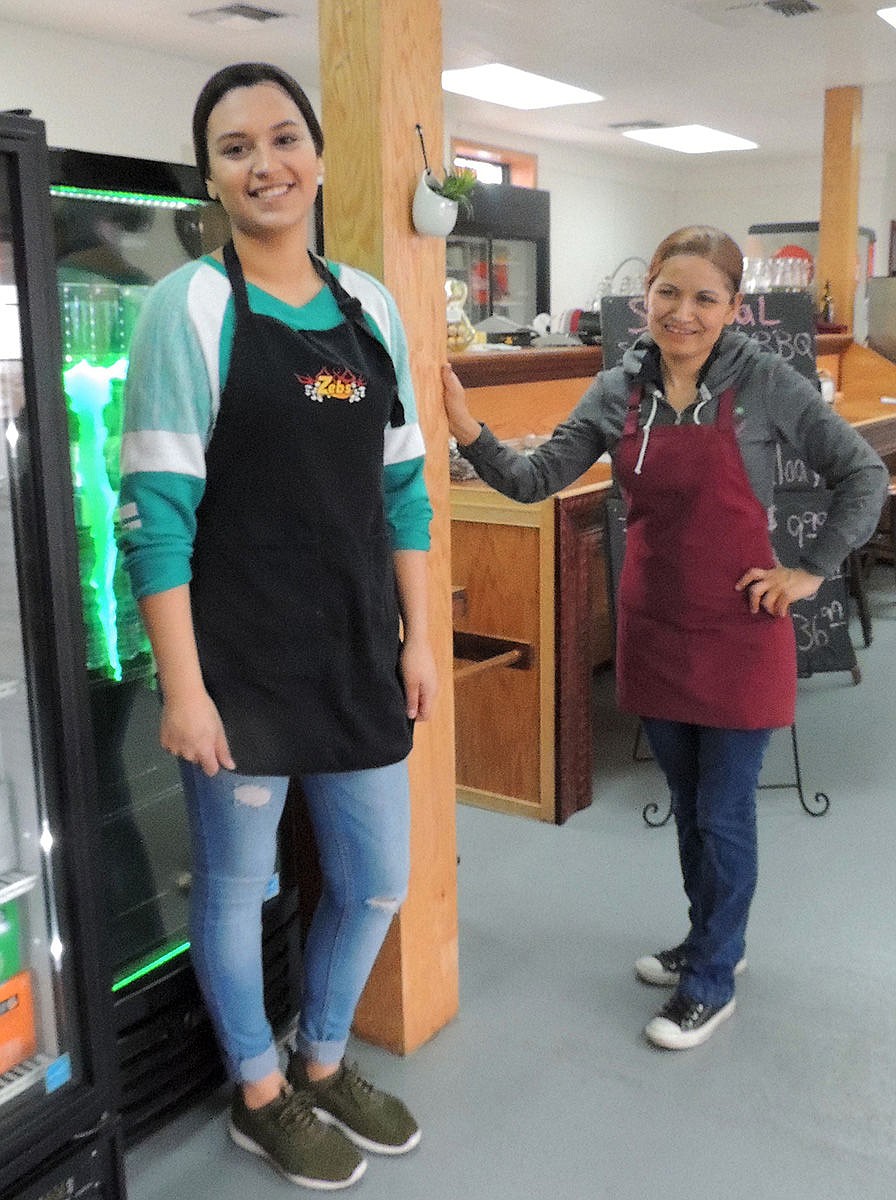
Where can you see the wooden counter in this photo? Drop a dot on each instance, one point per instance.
(865, 376)
(517, 392)
(531, 575)
(491, 368)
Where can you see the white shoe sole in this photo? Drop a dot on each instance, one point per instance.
(650, 970)
(321, 1185)
(364, 1143)
(666, 1034)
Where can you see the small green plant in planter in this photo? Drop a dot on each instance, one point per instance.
(457, 185)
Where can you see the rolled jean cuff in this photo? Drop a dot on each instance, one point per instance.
(251, 1070)
(325, 1054)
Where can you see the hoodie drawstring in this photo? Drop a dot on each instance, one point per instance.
(705, 395)
(647, 426)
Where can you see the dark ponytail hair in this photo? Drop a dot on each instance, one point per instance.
(246, 75)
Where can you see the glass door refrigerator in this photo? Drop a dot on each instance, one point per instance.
(501, 251)
(58, 1106)
(119, 225)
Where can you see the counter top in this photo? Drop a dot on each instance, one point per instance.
(487, 368)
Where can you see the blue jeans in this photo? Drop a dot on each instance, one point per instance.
(361, 822)
(712, 776)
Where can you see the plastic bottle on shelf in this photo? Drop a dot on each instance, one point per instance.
(826, 311)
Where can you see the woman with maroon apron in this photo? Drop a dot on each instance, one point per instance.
(275, 522)
(705, 652)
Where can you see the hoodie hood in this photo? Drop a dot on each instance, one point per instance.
(733, 355)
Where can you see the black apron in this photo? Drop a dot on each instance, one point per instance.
(293, 592)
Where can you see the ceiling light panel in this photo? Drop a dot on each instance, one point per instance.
(496, 83)
(889, 15)
(690, 139)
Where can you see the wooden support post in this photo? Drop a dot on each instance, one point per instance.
(381, 64)
(838, 232)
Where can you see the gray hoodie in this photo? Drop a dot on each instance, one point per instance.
(773, 405)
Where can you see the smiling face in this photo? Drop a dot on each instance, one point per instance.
(263, 164)
(689, 303)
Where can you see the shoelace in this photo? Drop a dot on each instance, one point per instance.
(356, 1081)
(297, 1110)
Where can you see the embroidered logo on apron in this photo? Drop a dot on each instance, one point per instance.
(334, 385)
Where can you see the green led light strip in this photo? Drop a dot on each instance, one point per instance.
(150, 966)
(78, 193)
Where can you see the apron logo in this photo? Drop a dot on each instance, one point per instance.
(333, 385)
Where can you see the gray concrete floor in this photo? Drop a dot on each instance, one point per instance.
(544, 1088)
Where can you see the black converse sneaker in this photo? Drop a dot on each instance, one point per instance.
(664, 968)
(682, 1022)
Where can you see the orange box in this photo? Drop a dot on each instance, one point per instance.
(18, 1038)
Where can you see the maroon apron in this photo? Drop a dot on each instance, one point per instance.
(688, 648)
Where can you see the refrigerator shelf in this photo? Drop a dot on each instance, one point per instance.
(15, 883)
(23, 1076)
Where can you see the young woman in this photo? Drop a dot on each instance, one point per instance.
(275, 523)
(705, 651)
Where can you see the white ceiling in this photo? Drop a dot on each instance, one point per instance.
(732, 64)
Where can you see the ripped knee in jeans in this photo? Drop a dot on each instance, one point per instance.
(389, 904)
(254, 795)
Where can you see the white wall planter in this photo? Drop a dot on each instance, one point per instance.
(434, 215)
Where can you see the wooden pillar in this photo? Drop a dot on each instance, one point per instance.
(381, 64)
(838, 232)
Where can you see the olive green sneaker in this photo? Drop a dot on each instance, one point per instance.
(304, 1149)
(373, 1120)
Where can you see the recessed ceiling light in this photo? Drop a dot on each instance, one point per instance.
(690, 139)
(499, 84)
(888, 14)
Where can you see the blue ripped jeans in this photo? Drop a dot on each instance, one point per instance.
(361, 822)
(712, 776)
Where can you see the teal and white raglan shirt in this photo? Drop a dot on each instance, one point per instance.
(179, 358)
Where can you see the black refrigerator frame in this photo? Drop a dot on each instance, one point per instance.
(503, 211)
(74, 1130)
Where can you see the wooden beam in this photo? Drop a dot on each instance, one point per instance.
(381, 64)
(838, 231)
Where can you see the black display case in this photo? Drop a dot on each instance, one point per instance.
(58, 1093)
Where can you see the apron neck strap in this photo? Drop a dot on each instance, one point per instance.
(724, 417)
(634, 410)
(234, 270)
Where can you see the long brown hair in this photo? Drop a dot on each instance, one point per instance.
(704, 241)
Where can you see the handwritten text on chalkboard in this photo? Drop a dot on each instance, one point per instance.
(781, 322)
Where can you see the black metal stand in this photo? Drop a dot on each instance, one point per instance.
(821, 800)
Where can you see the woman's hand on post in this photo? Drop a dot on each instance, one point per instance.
(464, 428)
(774, 590)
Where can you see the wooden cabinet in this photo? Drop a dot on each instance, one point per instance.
(532, 576)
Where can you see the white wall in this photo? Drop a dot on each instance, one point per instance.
(112, 99)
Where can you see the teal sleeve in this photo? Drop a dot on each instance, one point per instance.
(167, 422)
(408, 510)
(157, 527)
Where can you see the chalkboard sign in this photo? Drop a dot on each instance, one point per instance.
(821, 624)
(781, 322)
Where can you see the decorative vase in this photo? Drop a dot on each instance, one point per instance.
(433, 214)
